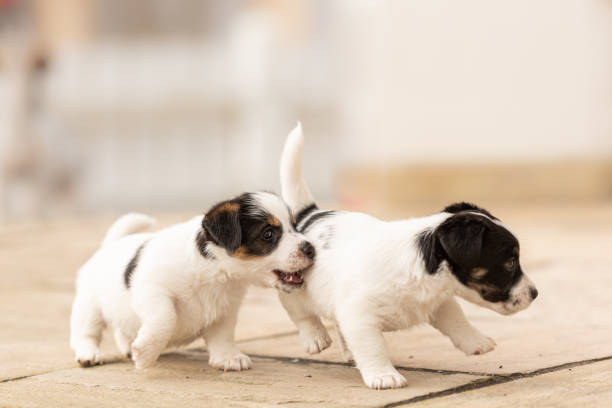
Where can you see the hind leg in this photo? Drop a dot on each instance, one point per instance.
(86, 326)
(123, 342)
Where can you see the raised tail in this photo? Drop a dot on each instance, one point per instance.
(128, 224)
(294, 189)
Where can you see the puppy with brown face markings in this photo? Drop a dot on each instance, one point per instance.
(167, 288)
(373, 276)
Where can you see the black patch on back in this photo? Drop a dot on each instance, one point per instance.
(305, 213)
(468, 241)
(315, 218)
(201, 243)
(464, 206)
(131, 266)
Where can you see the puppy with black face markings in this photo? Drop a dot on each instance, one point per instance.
(373, 276)
(167, 288)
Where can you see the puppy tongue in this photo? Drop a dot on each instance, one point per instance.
(293, 277)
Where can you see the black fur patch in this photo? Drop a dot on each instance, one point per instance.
(202, 243)
(426, 244)
(326, 237)
(222, 225)
(305, 213)
(131, 266)
(463, 206)
(255, 227)
(314, 218)
(468, 241)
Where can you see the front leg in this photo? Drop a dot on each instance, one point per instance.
(219, 337)
(364, 337)
(313, 334)
(158, 324)
(450, 321)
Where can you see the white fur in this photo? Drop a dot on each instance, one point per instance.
(176, 295)
(373, 279)
(126, 225)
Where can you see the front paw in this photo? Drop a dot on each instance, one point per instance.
(316, 340)
(234, 362)
(143, 356)
(475, 345)
(384, 379)
(347, 355)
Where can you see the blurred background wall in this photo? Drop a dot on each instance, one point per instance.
(109, 105)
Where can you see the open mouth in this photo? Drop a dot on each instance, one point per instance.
(293, 279)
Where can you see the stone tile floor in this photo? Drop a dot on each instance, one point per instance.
(556, 353)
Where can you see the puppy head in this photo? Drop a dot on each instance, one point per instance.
(484, 257)
(257, 233)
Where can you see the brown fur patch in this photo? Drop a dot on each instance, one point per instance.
(225, 207)
(478, 273)
(242, 253)
(273, 221)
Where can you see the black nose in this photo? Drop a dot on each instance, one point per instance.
(307, 249)
(533, 292)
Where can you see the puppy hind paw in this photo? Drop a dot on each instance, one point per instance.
(90, 359)
(316, 342)
(476, 345)
(236, 362)
(384, 380)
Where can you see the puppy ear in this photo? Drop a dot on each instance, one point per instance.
(461, 238)
(222, 225)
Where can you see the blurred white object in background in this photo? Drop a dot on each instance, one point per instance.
(171, 107)
(36, 167)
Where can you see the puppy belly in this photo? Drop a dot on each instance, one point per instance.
(410, 311)
(184, 337)
(400, 321)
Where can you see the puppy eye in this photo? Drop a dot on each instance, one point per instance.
(510, 264)
(267, 235)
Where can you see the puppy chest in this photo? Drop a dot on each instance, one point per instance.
(200, 310)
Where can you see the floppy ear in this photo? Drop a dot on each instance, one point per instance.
(222, 225)
(461, 238)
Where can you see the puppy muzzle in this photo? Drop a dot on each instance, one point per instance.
(521, 297)
(292, 277)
